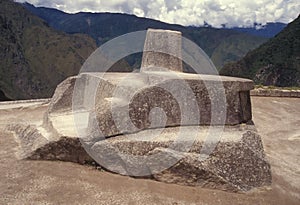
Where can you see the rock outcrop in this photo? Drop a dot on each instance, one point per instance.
(188, 129)
(237, 163)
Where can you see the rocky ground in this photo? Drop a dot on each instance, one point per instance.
(54, 182)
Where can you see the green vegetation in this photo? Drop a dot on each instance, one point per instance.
(233, 48)
(34, 58)
(222, 45)
(276, 62)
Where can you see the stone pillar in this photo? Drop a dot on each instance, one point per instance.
(162, 51)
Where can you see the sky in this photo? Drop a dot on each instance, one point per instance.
(232, 13)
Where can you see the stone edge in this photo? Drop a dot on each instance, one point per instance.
(275, 93)
(46, 100)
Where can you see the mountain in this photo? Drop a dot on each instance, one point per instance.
(276, 62)
(105, 26)
(34, 57)
(268, 31)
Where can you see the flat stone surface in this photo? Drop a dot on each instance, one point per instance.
(37, 182)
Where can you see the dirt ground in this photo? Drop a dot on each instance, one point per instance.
(54, 182)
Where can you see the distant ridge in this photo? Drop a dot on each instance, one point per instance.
(105, 26)
(269, 30)
(276, 62)
(34, 58)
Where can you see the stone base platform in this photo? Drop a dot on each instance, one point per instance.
(237, 162)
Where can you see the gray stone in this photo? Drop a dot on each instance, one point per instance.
(62, 98)
(153, 94)
(275, 93)
(162, 50)
(285, 93)
(236, 164)
(51, 145)
(294, 93)
(142, 101)
(267, 92)
(140, 114)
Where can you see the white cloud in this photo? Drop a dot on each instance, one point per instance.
(138, 12)
(189, 12)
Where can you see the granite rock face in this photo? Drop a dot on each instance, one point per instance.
(174, 127)
(237, 162)
(119, 100)
(35, 146)
(134, 101)
(62, 98)
(162, 50)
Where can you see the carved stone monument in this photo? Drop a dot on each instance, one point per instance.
(128, 113)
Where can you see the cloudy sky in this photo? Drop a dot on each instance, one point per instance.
(189, 12)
